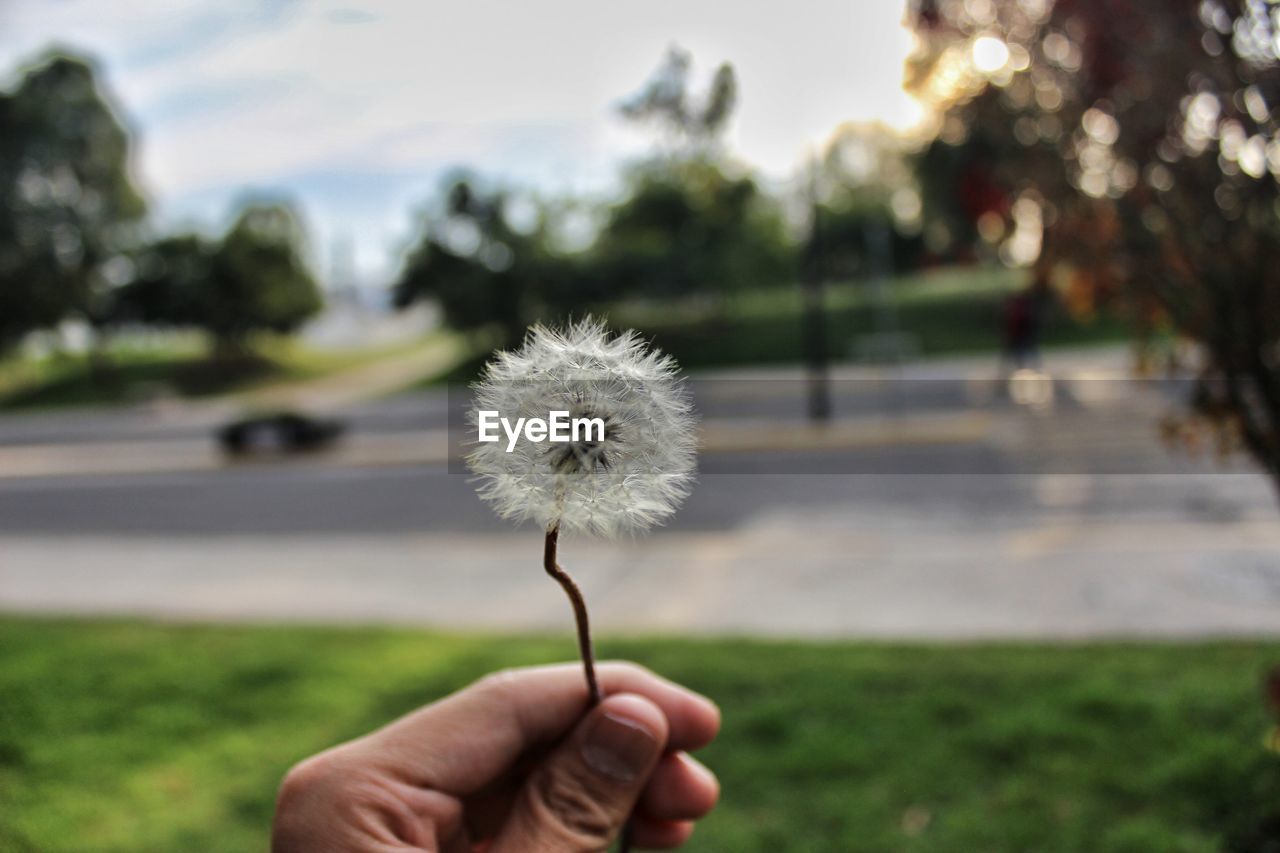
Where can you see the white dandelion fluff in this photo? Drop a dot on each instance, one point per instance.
(629, 478)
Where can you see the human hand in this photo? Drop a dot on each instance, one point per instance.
(511, 764)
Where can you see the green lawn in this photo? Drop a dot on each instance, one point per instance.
(946, 311)
(138, 737)
(184, 369)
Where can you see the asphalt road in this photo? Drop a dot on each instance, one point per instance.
(1069, 520)
(774, 398)
(775, 394)
(935, 484)
(1094, 452)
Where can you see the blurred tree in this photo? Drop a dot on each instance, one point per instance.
(171, 284)
(960, 183)
(67, 201)
(690, 223)
(865, 192)
(481, 269)
(692, 228)
(687, 225)
(258, 278)
(1140, 136)
(666, 102)
(252, 280)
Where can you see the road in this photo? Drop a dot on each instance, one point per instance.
(773, 393)
(1059, 521)
(962, 482)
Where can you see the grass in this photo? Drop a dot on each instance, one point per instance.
(120, 735)
(183, 368)
(946, 311)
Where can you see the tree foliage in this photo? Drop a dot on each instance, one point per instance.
(865, 207)
(667, 102)
(260, 279)
(254, 279)
(170, 285)
(481, 269)
(1143, 132)
(691, 228)
(690, 223)
(67, 201)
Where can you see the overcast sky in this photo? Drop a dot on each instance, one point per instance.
(356, 109)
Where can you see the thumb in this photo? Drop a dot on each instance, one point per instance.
(580, 796)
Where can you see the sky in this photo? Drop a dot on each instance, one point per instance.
(356, 110)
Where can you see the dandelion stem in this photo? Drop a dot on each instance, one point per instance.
(584, 640)
(579, 612)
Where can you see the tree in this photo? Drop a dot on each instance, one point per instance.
(1143, 134)
(690, 228)
(252, 280)
(67, 201)
(961, 182)
(864, 194)
(690, 223)
(481, 269)
(665, 101)
(258, 279)
(171, 284)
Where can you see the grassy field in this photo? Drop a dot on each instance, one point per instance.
(143, 737)
(184, 368)
(945, 311)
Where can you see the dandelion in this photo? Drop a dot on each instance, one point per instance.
(628, 473)
(630, 477)
(624, 477)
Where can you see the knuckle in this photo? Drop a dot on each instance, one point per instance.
(501, 682)
(332, 801)
(626, 667)
(625, 670)
(564, 802)
(321, 776)
(307, 775)
(304, 792)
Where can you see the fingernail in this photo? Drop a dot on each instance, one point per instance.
(618, 748)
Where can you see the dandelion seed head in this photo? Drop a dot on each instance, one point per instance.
(633, 476)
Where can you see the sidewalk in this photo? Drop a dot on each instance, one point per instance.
(782, 576)
(991, 522)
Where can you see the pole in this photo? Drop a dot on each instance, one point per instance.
(814, 331)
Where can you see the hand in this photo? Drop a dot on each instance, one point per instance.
(510, 764)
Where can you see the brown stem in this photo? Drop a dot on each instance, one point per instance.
(584, 640)
(579, 613)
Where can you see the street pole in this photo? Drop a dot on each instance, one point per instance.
(814, 331)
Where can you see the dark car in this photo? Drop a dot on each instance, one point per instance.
(283, 432)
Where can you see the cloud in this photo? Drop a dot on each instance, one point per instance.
(230, 93)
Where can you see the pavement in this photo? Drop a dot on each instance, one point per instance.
(933, 507)
(791, 572)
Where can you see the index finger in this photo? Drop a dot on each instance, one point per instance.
(463, 742)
